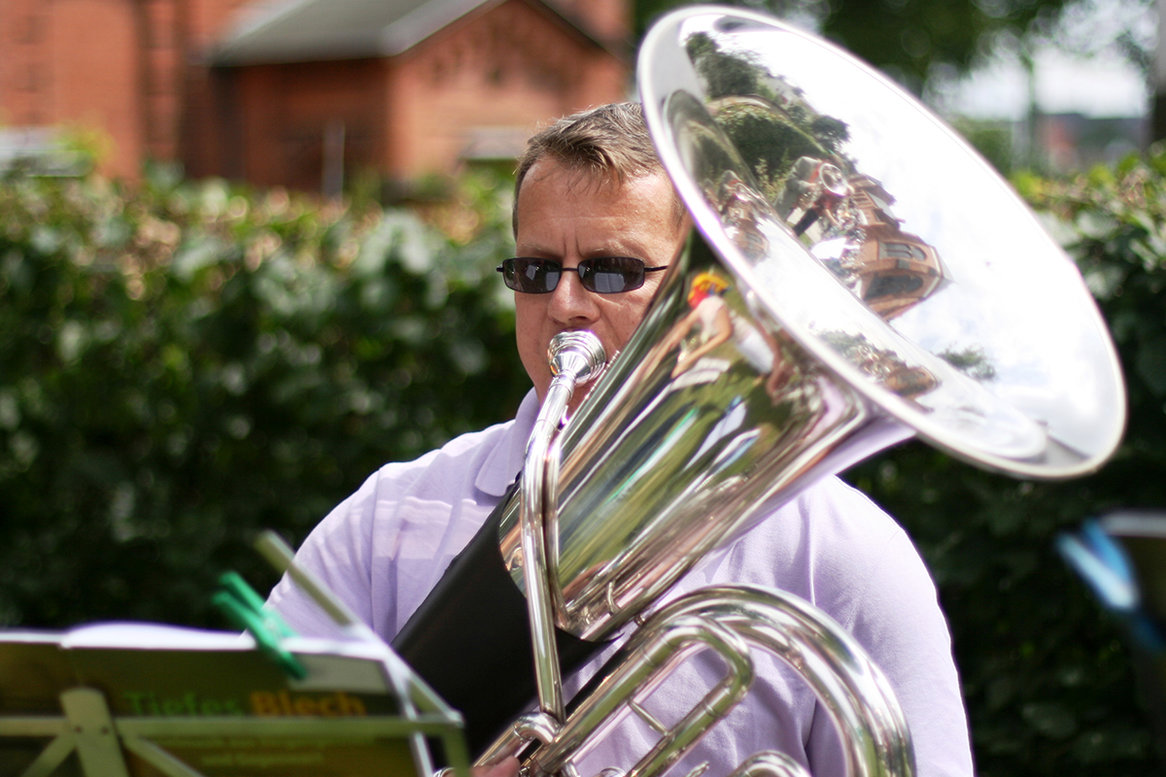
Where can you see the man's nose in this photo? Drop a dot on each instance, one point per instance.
(571, 304)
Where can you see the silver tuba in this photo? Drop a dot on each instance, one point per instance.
(857, 276)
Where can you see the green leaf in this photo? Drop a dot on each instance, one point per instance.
(1151, 361)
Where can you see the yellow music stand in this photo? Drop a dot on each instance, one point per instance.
(150, 700)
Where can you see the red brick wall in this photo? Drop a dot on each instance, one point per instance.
(74, 63)
(23, 35)
(286, 112)
(609, 20)
(511, 66)
(122, 66)
(136, 69)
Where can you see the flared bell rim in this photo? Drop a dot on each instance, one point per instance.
(1059, 434)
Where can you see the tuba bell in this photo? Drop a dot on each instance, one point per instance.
(857, 276)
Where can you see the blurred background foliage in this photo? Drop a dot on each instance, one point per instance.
(932, 48)
(914, 41)
(184, 363)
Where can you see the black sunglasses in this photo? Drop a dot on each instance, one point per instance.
(600, 274)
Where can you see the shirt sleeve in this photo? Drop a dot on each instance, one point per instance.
(382, 549)
(878, 588)
(338, 553)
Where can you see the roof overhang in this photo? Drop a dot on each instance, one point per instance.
(285, 31)
(282, 31)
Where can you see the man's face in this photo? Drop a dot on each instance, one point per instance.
(569, 216)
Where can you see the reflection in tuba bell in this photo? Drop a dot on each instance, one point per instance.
(857, 276)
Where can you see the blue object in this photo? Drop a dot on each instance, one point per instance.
(1103, 564)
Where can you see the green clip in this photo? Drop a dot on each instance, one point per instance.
(244, 608)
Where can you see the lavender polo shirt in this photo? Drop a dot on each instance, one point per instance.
(384, 547)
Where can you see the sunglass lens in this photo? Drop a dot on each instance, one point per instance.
(612, 274)
(531, 276)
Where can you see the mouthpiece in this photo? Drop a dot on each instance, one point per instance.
(577, 355)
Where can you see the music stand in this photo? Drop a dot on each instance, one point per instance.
(143, 700)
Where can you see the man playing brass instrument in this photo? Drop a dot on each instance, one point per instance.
(596, 221)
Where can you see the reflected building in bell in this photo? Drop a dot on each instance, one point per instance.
(894, 269)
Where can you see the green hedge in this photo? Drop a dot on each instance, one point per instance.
(184, 363)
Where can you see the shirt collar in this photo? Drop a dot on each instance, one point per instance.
(504, 461)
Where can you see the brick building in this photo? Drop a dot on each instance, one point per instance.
(303, 92)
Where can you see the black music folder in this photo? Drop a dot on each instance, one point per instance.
(148, 700)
